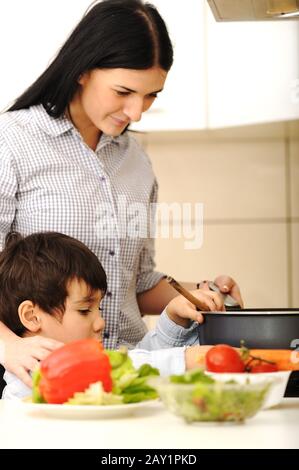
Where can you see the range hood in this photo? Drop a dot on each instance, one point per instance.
(254, 10)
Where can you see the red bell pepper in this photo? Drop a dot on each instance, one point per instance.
(72, 368)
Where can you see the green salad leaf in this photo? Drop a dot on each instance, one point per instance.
(128, 382)
(191, 377)
(36, 396)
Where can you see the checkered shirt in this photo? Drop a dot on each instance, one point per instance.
(50, 180)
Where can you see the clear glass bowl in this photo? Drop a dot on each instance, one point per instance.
(278, 388)
(213, 402)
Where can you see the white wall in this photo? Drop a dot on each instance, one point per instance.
(247, 179)
(31, 32)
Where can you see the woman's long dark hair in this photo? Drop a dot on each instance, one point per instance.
(112, 34)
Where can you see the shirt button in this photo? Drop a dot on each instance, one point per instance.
(111, 253)
(103, 178)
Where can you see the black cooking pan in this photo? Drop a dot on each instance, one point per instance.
(260, 328)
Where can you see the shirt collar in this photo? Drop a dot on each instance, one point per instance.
(58, 126)
(50, 125)
(108, 139)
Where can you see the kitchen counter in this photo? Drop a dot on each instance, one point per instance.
(151, 428)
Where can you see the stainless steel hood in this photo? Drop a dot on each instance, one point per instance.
(254, 10)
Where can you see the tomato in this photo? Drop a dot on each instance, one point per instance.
(224, 358)
(263, 367)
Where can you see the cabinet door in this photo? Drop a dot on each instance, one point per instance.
(182, 104)
(253, 71)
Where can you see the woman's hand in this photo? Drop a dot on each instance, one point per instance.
(181, 311)
(22, 355)
(228, 285)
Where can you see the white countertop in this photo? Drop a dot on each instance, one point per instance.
(151, 428)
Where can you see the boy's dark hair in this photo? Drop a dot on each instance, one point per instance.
(112, 34)
(38, 268)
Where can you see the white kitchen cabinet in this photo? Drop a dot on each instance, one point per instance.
(182, 104)
(252, 71)
(225, 74)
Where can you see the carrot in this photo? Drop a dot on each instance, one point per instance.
(285, 359)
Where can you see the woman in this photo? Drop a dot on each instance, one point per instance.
(68, 164)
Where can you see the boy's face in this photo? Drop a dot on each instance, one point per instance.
(81, 319)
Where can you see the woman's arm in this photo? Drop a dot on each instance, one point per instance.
(153, 301)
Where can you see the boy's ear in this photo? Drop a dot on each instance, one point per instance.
(29, 316)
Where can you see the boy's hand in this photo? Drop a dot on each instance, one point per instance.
(181, 311)
(22, 355)
(195, 356)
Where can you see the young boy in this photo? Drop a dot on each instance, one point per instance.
(52, 285)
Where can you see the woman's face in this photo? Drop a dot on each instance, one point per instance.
(110, 99)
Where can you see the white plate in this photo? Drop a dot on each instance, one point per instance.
(86, 411)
